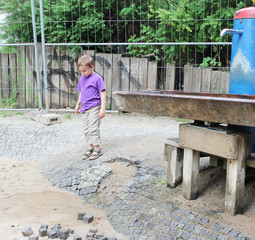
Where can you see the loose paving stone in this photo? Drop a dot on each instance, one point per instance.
(87, 218)
(33, 237)
(70, 230)
(112, 238)
(93, 229)
(56, 227)
(99, 235)
(90, 235)
(77, 237)
(46, 226)
(63, 233)
(80, 216)
(42, 232)
(27, 231)
(52, 234)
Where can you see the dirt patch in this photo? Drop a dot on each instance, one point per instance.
(122, 172)
(28, 199)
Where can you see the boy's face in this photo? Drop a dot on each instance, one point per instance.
(86, 71)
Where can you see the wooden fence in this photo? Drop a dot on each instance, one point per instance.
(205, 80)
(18, 76)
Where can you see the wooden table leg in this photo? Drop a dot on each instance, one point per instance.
(190, 173)
(174, 157)
(235, 183)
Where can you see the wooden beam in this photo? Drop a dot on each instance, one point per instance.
(219, 142)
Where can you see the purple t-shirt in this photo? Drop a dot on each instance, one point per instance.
(90, 88)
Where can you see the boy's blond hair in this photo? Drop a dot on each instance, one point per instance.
(85, 61)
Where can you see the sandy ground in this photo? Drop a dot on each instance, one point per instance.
(28, 199)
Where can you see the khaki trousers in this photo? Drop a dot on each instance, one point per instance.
(91, 124)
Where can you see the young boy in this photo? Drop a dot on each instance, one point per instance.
(93, 99)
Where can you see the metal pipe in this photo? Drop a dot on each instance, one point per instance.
(36, 55)
(230, 31)
(19, 110)
(143, 43)
(16, 44)
(44, 57)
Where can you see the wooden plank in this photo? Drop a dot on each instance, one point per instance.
(29, 76)
(13, 73)
(197, 79)
(170, 76)
(99, 63)
(21, 76)
(125, 74)
(191, 162)
(235, 183)
(115, 76)
(134, 74)
(73, 74)
(174, 157)
(225, 77)
(188, 78)
(108, 72)
(220, 108)
(89, 52)
(215, 142)
(143, 73)
(152, 75)
(216, 82)
(40, 61)
(1, 88)
(50, 71)
(206, 79)
(64, 80)
(250, 162)
(5, 76)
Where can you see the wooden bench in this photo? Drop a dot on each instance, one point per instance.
(183, 160)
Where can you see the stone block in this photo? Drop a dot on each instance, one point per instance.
(93, 229)
(80, 216)
(42, 232)
(99, 235)
(27, 231)
(33, 237)
(44, 226)
(56, 227)
(70, 230)
(46, 119)
(52, 234)
(90, 235)
(88, 218)
(63, 233)
(77, 237)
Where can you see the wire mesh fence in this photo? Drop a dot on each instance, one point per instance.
(159, 44)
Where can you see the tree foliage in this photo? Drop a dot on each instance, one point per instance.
(127, 21)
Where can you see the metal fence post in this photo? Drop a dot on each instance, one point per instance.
(36, 55)
(44, 57)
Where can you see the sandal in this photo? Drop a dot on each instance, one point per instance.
(87, 154)
(96, 154)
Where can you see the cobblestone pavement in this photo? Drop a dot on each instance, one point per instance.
(141, 210)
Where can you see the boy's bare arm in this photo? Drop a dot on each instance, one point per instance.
(101, 113)
(76, 110)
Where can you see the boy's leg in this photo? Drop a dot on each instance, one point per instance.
(85, 118)
(94, 131)
(94, 126)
